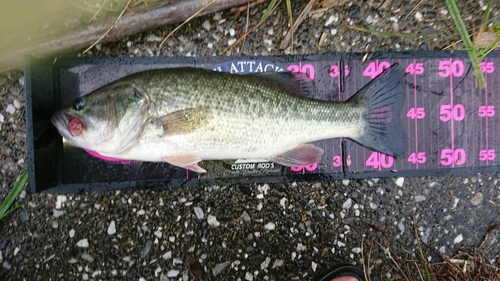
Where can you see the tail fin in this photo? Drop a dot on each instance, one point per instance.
(382, 99)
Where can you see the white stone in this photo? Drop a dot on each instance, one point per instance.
(329, 21)
(199, 213)
(72, 233)
(400, 181)
(206, 25)
(84, 243)
(230, 41)
(219, 268)
(172, 273)
(111, 228)
(158, 233)
(270, 226)
(458, 239)
(248, 276)
(419, 198)
(418, 16)
(301, 247)
(141, 212)
(1, 118)
(232, 32)
(265, 263)
(345, 182)
(211, 220)
(347, 204)
(167, 255)
(314, 266)
(10, 109)
(278, 263)
(356, 250)
(17, 104)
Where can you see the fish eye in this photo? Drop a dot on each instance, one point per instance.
(79, 104)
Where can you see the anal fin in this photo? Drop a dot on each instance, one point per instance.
(186, 161)
(302, 155)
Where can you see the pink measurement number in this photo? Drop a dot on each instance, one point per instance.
(486, 111)
(335, 72)
(487, 154)
(306, 69)
(415, 68)
(416, 113)
(309, 168)
(378, 159)
(447, 112)
(337, 161)
(449, 156)
(417, 157)
(454, 68)
(487, 67)
(373, 69)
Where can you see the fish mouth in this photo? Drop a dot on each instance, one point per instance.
(61, 121)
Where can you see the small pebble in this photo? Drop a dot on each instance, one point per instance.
(418, 16)
(84, 243)
(10, 109)
(458, 239)
(345, 182)
(167, 255)
(172, 273)
(211, 220)
(230, 41)
(356, 250)
(111, 228)
(199, 213)
(141, 212)
(477, 199)
(245, 216)
(17, 104)
(1, 118)
(419, 198)
(57, 213)
(347, 204)
(278, 263)
(220, 267)
(206, 25)
(329, 21)
(400, 181)
(87, 257)
(71, 233)
(301, 247)
(265, 263)
(249, 276)
(270, 226)
(314, 266)
(354, 11)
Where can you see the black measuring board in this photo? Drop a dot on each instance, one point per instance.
(452, 126)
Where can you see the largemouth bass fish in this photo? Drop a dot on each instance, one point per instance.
(184, 115)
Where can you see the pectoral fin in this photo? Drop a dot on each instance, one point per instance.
(302, 155)
(183, 121)
(186, 161)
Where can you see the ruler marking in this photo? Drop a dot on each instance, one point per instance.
(340, 99)
(486, 103)
(415, 106)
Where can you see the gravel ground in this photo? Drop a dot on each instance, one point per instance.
(289, 231)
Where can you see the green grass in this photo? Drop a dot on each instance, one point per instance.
(5, 207)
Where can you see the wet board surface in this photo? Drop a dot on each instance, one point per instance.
(452, 125)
